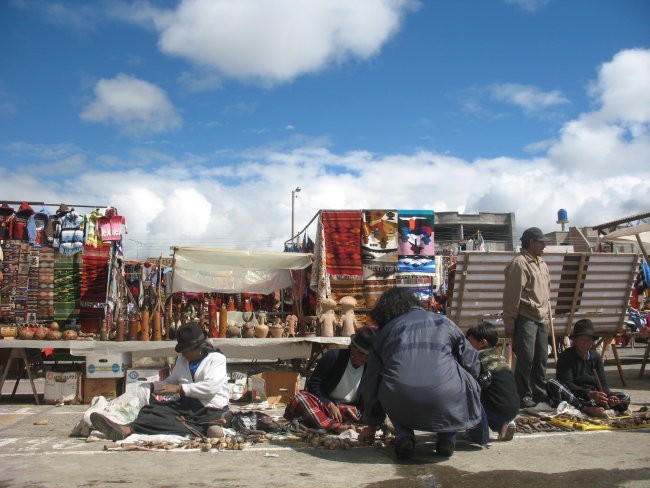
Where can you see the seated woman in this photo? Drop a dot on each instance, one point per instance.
(332, 395)
(199, 377)
(580, 376)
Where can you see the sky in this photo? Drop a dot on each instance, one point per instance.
(197, 119)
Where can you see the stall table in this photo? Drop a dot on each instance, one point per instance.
(309, 348)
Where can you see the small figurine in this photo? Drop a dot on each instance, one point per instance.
(291, 323)
(348, 319)
(327, 318)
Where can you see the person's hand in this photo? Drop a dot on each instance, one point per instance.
(367, 435)
(335, 413)
(168, 389)
(599, 397)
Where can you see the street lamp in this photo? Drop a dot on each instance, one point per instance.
(293, 200)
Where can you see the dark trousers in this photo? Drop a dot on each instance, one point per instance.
(161, 417)
(531, 348)
(557, 393)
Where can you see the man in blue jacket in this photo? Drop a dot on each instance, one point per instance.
(422, 372)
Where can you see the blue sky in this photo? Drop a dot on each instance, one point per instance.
(197, 118)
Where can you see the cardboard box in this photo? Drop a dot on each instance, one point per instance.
(106, 387)
(135, 377)
(62, 387)
(278, 386)
(107, 365)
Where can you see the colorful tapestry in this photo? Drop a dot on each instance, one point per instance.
(67, 286)
(320, 280)
(379, 253)
(379, 240)
(353, 288)
(93, 286)
(45, 304)
(8, 291)
(342, 236)
(416, 242)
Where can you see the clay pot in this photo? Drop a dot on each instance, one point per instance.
(276, 332)
(40, 333)
(248, 330)
(53, 335)
(234, 330)
(261, 331)
(69, 335)
(25, 333)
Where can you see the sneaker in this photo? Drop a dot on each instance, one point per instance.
(507, 431)
(404, 447)
(527, 402)
(444, 447)
(106, 426)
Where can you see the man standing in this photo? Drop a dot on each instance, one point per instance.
(526, 311)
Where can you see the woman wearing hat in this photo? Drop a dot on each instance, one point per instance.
(199, 377)
(580, 376)
(332, 395)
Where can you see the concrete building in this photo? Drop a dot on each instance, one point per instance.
(456, 232)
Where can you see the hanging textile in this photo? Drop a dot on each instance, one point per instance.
(416, 243)
(342, 238)
(379, 250)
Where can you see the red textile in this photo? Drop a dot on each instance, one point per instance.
(342, 231)
(307, 408)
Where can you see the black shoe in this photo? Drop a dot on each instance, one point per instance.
(106, 426)
(527, 402)
(404, 447)
(444, 447)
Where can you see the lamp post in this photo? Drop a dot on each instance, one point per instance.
(293, 200)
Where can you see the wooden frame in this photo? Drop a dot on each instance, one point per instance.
(595, 286)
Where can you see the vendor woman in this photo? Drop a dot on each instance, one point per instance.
(199, 377)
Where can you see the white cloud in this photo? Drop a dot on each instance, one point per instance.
(595, 168)
(530, 5)
(272, 41)
(616, 136)
(623, 87)
(527, 97)
(134, 106)
(81, 16)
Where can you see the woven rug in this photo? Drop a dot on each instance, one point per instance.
(45, 303)
(416, 242)
(342, 236)
(67, 286)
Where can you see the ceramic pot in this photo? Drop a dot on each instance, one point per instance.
(234, 330)
(276, 332)
(248, 330)
(261, 331)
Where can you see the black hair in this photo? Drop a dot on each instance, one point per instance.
(207, 348)
(484, 330)
(393, 303)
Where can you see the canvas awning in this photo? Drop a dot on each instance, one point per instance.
(639, 234)
(233, 271)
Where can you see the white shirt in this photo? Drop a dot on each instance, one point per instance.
(347, 390)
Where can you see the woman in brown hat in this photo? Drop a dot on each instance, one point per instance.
(199, 378)
(580, 376)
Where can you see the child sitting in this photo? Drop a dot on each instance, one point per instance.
(498, 388)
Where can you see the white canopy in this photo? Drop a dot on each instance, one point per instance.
(639, 234)
(232, 271)
(628, 234)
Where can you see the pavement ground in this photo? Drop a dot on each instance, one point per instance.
(37, 456)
